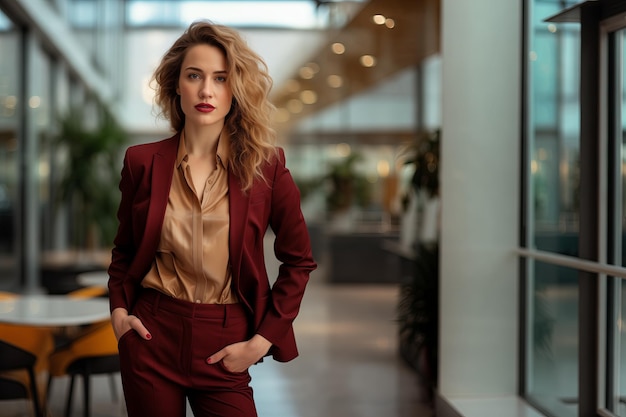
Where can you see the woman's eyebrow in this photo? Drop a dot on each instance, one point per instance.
(200, 70)
(193, 69)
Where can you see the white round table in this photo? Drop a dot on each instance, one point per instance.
(93, 279)
(53, 310)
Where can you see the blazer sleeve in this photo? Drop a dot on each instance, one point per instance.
(124, 245)
(292, 249)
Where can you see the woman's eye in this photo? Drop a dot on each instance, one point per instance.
(220, 79)
(194, 76)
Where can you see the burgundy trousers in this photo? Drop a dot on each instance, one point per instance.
(160, 374)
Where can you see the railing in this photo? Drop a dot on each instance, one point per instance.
(573, 262)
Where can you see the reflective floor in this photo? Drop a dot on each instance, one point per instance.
(348, 364)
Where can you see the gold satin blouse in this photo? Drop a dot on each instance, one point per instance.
(192, 259)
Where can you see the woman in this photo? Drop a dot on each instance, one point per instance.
(191, 303)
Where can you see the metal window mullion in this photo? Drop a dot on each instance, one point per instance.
(589, 210)
(611, 90)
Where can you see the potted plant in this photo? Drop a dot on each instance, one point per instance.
(418, 306)
(88, 183)
(344, 189)
(418, 313)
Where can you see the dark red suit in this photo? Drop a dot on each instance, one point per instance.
(146, 179)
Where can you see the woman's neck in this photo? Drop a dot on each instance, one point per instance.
(202, 141)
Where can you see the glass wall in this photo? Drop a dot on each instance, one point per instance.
(552, 210)
(38, 86)
(9, 176)
(554, 123)
(552, 371)
(575, 338)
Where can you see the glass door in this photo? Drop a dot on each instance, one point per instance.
(615, 92)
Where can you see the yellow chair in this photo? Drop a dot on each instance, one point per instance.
(6, 295)
(93, 351)
(17, 375)
(89, 292)
(24, 352)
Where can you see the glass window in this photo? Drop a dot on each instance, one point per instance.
(9, 161)
(303, 14)
(552, 342)
(83, 13)
(554, 126)
(83, 16)
(552, 346)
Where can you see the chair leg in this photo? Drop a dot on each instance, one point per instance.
(70, 391)
(86, 392)
(48, 389)
(34, 392)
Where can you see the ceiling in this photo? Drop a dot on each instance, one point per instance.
(407, 32)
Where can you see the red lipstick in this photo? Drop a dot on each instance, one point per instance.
(204, 107)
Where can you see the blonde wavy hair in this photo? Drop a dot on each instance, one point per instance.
(249, 120)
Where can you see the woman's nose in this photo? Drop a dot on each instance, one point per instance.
(206, 90)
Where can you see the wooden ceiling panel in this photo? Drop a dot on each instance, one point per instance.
(413, 37)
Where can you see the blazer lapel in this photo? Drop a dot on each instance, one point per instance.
(162, 172)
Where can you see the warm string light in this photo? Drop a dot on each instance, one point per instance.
(334, 81)
(368, 61)
(311, 69)
(338, 48)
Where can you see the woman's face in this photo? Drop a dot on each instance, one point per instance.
(205, 93)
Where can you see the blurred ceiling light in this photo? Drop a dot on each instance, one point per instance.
(308, 97)
(390, 23)
(368, 61)
(34, 102)
(552, 27)
(379, 19)
(335, 81)
(383, 168)
(306, 73)
(343, 149)
(314, 67)
(294, 105)
(338, 48)
(44, 169)
(10, 102)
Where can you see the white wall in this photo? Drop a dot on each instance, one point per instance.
(481, 52)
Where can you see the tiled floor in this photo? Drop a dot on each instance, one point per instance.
(348, 364)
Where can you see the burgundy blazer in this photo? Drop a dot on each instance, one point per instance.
(145, 184)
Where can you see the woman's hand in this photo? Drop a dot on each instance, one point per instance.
(123, 322)
(240, 356)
